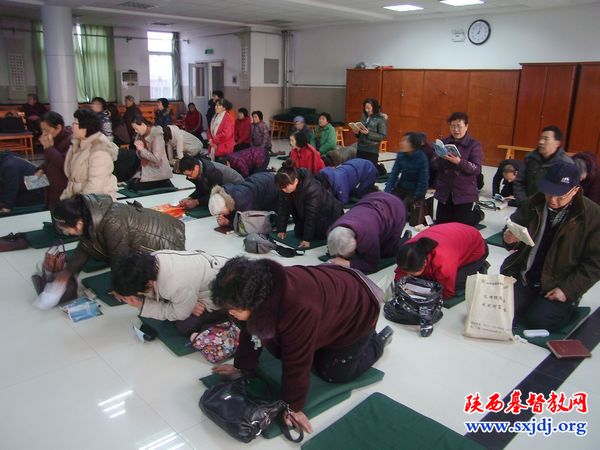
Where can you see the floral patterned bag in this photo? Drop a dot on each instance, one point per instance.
(218, 342)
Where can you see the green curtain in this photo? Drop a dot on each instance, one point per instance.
(95, 63)
(177, 93)
(39, 61)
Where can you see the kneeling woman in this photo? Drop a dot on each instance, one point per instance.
(317, 315)
(313, 207)
(447, 253)
(155, 171)
(108, 230)
(170, 285)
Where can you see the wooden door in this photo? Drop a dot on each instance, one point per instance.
(360, 84)
(402, 101)
(585, 128)
(445, 91)
(558, 97)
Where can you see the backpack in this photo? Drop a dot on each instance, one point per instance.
(262, 243)
(248, 222)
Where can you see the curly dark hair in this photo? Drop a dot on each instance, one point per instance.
(242, 283)
(132, 273)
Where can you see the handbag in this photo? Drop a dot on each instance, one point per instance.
(416, 302)
(13, 241)
(418, 210)
(490, 307)
(247, 222)
(244, 418)
(262, 243)
(55, 258)
(218, 342)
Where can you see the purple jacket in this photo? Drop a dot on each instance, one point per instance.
(249, 161)
(377, 221)
(350, 178)
(459, 181)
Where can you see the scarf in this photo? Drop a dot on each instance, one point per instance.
(216, 122)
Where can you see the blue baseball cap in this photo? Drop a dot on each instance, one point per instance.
(559, 179)
(299, 119)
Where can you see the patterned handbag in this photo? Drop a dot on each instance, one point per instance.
(218, 342)
(55, 258)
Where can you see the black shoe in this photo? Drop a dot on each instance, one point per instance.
(480, 214)
(407, 235)
(386, 335)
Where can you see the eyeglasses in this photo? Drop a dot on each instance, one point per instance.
(456, 127)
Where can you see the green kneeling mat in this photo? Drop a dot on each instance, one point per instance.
(47, 237)
(294, 241)
(20, 210)
(383, 262)
(168, 334)
(382, 178)
(321, 395)
(480, 226)
(199, 212)
(581, 313)
(496, 240)
(144, 192)
(101, 285)
(92, 265)
(458, 298)
(382, 423)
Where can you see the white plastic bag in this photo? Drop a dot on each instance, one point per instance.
(51, 295)
(490, 307)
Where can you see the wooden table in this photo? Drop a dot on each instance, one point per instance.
(18, 142)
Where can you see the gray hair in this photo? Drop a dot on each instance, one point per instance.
(131, 98)
(341, 241)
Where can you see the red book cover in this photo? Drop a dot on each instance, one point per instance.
(568, 348)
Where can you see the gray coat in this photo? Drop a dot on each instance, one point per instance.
(377, 126)
(526, 183)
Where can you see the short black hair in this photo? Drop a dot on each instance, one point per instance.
(374, 103)
(163, 101)
(558, 134)
(53, 119)
(459, 116)
(188, 163)
(218, 93)
(132, 273)
(509, 168)
(286, 174)
(411, 256)
(88, 120)
(243, 111)
(139, 120)
(33, 96)
(259, 114)
(69, 211)
(416, 139)
(301, 139)
(191, 104)
(242, 283)
(327, 116)
(99, 100)
(224, 103)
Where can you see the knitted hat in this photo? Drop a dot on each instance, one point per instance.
(299, 119)
(219, 200)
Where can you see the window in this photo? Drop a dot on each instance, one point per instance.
(160, 49)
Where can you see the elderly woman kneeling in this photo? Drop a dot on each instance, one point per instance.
(323, 315)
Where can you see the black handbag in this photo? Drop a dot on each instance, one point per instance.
(242, 417)
(410, 308)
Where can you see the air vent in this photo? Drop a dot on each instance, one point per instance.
(163, 24)
(136, 5)
(277, 22)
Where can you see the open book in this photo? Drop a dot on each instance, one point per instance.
(520, 232)
(443, 150)
(357, 127)
(33, 182)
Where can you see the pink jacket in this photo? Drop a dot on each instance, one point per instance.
(224, 138)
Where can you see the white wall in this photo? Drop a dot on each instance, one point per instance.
(263, 46)
(322, 55)
(133, 55)
(17, 42)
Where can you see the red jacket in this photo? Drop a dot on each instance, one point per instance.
(193, 120)
(458, 245)
(242, 130)
(308, 158)
(310, 308)
(223, 139)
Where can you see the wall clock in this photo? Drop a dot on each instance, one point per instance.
(479, 32)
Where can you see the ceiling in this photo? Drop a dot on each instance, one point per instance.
(205, 17)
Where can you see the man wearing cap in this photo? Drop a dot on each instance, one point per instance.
(547, 153)
(564, 263)
(300, 125)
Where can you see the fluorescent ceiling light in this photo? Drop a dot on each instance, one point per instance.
(462, 2)
(403, 8)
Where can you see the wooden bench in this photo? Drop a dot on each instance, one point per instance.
(18, 142)
(512, 149)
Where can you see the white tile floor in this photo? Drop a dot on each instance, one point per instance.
(92, 385)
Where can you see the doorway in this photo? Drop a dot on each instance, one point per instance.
(205, 77)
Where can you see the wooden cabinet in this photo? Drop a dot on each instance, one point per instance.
(546, 93)
(492, 105)
(402, 97)
(360, 84)
(585, 128)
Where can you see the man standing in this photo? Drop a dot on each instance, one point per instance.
(564, 263)
(547, 153)
(131, 112)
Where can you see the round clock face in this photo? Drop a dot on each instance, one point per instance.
(479, 32)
